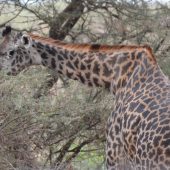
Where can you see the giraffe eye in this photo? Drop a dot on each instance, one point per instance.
(11, 53)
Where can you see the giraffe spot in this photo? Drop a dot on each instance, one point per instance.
(123, 83)
(140, 108)
(133, 55)
(76, 63)
(60, 72)
(90, 84)
(60, 58)
(135, 76)
(87, 75)
(75, 78)
(44, 55)
(152, 103)
(72, 53)
(68, 64)
(50, 50)
(136, 123)
(143, 80)
(163, 110)
(145, 113)
(155, 107)
(126, 54)
(60, 66)
(144, 154)
(162, 167)
(111, 135)
(81, 78)
(143, 146)
(156, 140)
(157, 74)
(89, 66)
(44, 62)
(150, 71)
(95, 80)
(82, 67)
(159, 151)
(89, 59)
(102, 57)
(40, 45)
(13, 62)
(133, 149)
(13, 70)
(112, 61)
(136, 87)
(69, 74)
(139, 55)
(117, 129)
(83, 55)
(26, 57)
(165, 129)
(116, 71)
(109, 153)
(122, 59)
(53, 64)
(153, 124)
(30, 61)
(139, 152)
(96, 68)
(126, 67)
(17, 59)
(106, 71)
(137, 160)
(151, 154)
(131, 119)
(66, 54)
(167, 152)
(108, 162)
(62, 53)
(20, 59)
(107, 84)
(71, 57)
(157, 81)
(147, 100)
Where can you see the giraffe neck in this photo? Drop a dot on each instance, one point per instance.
(93, 65)
(83, 66)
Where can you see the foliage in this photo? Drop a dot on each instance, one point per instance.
(34, 129)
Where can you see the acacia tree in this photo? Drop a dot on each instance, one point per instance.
(61, 129)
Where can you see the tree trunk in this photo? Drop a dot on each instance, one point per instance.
(66, 20)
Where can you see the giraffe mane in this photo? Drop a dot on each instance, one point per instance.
(94, 47)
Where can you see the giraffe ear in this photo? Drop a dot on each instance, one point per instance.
(6, 31)
(26, 41)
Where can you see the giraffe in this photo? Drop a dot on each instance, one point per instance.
(138, 129)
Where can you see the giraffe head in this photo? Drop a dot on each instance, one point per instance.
(17, 53)
(6, 44)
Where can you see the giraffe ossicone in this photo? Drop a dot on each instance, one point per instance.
(139, 127)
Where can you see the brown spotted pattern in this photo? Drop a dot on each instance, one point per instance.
(138, 130)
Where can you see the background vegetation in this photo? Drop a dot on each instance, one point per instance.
(50, 123)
